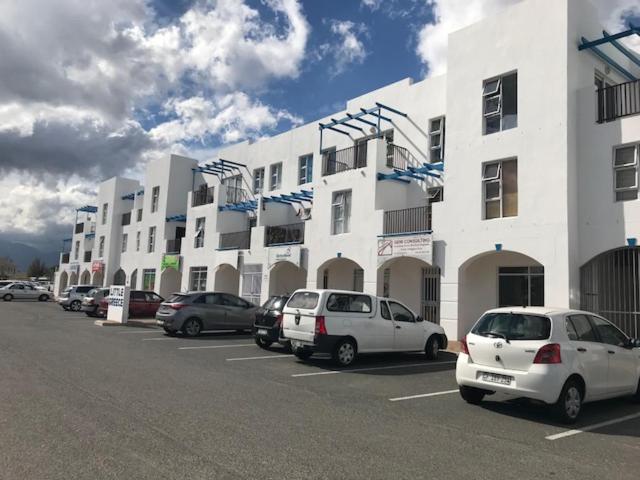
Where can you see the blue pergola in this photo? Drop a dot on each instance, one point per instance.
(607, 38)
(249, 206)
(369, 117)
(414, 173)
(177, 218)
(129, 196)
(291, 198)
(87, 209)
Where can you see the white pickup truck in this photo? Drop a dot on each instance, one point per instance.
(345, 324)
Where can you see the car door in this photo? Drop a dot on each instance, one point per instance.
(136, 304)
(212, 311)
(384, 332)
(408, 334)
(592, 355)
(237, 312)
(17, 290)
(622, 375)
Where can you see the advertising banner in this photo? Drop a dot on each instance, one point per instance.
(96, 266)
(170, 261)
(416, 246)
(289, 253)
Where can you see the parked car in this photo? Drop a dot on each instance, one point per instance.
(267, 328)
(91, 302)
(23, 291)
(193, 312)
(71, 297)
(561, 357)
(141, 304)
(345, 324)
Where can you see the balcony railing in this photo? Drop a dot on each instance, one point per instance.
(236, 195)
(87, 256)
(65, 258)
(345, 159)
(126, 218)
(284, 234)
(400, 157)
(235, 240)
(202, 196)
(617, 101)
(408, 220)
(79, 228)
(174, 246)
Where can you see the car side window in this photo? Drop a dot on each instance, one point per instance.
(571, 331)
(609, 334)
(18, 287)
(138, 296)
(584, 329)
(384, 310)
(400, 313)
(212, 299)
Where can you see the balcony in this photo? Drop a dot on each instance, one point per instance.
(284, 234)
(345, 159)
(618, 101)
(174, 246)
(126, 218)
(202, 196)
(235, 240)
(87, 256)
(400, 157)
(79, 228)
(407, 220)
(64, 258)
(236, 195)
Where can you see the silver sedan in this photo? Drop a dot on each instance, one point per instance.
(23, 291)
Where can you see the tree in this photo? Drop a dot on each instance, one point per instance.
(7, 268)
(37, 268)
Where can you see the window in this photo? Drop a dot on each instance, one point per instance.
(155, 199)
(77, 250)
(583, 328)
(126, 218)
(105, 211)
(305, 169)
(608, 333)
(358, 280)
(258, 180)
(252, 283)
(401, 313)
(520, 286)
(340, 212)
(434, 195)
(513, 326)
(151, 245)
(325, 278)
(199, 238)
(306, 300)
(500, 189)
(384, 311)
(125, 238)
(500, 103)
(198, 279)
(101, 247)
(625, 172)
(137, 241)
(209, 299)
(149, 279)
(275, 176)
(436, 140)
(139, 215)
(345, 302)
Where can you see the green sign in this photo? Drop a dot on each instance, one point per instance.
(170, 261)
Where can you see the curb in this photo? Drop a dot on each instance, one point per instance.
(130, 323)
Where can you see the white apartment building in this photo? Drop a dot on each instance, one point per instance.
(511, 180)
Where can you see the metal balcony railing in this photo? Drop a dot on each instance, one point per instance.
(174, 246)
(284, 234)
(235, 240)
(400, 157)
(79, 228)
(236, 195)
(345, 159)
(87, 256)
(202, 196)
(407, 220)
(617, 101)
(65, 258)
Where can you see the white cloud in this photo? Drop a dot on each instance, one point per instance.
(347, 48)
(372, 4)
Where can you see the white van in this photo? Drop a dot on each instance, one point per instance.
(344, 323)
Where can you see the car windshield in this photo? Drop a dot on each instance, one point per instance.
(513, 326)
(275, 303)
(93, 293)
(307, 300)
(177, 298)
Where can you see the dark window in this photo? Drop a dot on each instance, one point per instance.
(138, 296)
(384, 311)
(514, 326)
(234, 301)
(401, 313)
(275, 303)
(608, 333)
(345, 302)
(571, 330)
(583, 328)
(306, 300)
(520, 286)
(177, 298)
(83, 289)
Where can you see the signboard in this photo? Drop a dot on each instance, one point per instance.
(416, 246)
(170, 261)
(118, 310)
(289, 253)
(96, 266)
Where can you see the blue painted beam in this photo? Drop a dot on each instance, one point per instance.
(362, 120)
(391, 176)
(87, 209)
(140, 192)
(348, 117)
(345, 124)
(391, 109)
(338, 130)
(586, 44)
(129, 196)
(435, 166)
(233, 163)
(622, 49)
(604, 57)
(381, 117)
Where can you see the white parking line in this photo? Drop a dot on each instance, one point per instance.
(161, 338)
(257, 358)
(423, 395)
(367, 369)
(588, 428)
(218, 346)
(148, 331)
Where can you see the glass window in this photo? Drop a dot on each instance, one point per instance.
(625, 172)
(304, 300)
(275, 303)
(608, 333)
(139, 215)
(571, 331)
(105, 211)
(258, 180)
(177, 298)
(358, 280)
(138, 296)
(500, 103)
(341, 212)
(199, 236)
(125, 238)
(436, 139)
(151, 246)
(155, 199)
(583, 328)
(305, 169)
(275, 176)
(252, 282)
(137, 241)
(149, 279)
(520, 286)
(500, 189)
(401, 313)
(345, 302)
(384, 311)
(198, 279)
(233, 301)
(77, 250)
(513, 326)
(101, 247)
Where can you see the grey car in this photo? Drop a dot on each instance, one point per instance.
(193, 312)
(71, 298)
(23, 291)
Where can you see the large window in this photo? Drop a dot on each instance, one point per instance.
(305, 169)
(500, 103)
(199, 237)
(155, 199)
(358, 280)
(198, 279)
(252, 283)
(149, 279)
(346, 302)
(436, 140)
(625, 172)
(275, 176)
(258, 180)
(500, 189)
(125, 238)
(151, 245)
(520, 286)
(340, 212)
(105, 212)
(101, 247)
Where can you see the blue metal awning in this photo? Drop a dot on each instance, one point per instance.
(608, 39)
(89, 235)
(177, 218)
(291, 198)
(129, 196)
(248, 206)
(414, 173)
(88, 209)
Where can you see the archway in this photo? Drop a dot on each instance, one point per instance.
(227, 279)
(497, 279)
(73, 279)
(610, 286)
(170, 280)
(414, 282)
(64, 279)
(85, 278)
(98, 279)
(133, 283)
(285, 278)
(341, 274)
(119, 278)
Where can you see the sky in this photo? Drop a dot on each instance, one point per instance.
(90, 89)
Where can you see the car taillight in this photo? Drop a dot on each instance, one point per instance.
(177, 306)
(464, 348)
(321, 328)
(279, 320)
(548, 354)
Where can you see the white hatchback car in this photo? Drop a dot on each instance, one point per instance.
(558, 356)
(344, 324)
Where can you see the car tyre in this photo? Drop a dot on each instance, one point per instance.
(432, 348)
(75, 306)
(344, 353)
(171, 333)
(262, 343)
(472, 395)
(303, 353)
(8, 297)
(569, 404)
(43, 298)
(192, 327)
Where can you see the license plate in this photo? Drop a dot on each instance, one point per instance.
(495, 378)
(262, 331)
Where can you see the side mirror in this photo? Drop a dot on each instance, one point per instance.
(633, 343)
(419, 319)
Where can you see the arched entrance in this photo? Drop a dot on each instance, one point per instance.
(285, 278)
(64, 279)
(134, 280)
(227, 279)
(497, 279)
(73, 278)
(610, 286)
(414, 282)
(341, 274)
(98, 279)
(119, 278)
(170, 280)
(85, 278)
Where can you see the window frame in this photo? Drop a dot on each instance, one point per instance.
(275, 169)
(155, 198)
(624, 167)
(496, 93)
(101, 241)
(432, 134)
(345, 207)
(138, 238)
(498, 179)
(125, 241)
(305, 165)
(198, 274)
(258, 177)
(198, 238)
(105, 213)
(151, 240)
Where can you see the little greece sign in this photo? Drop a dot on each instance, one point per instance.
(415, 246)
(118, 310)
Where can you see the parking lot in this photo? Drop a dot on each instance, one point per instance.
(82, 401)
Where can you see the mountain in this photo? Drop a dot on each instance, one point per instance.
(23, 254)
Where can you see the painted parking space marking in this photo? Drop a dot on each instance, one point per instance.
(257, 358)
(423, 395)
(368, 369)
(148, 331)
(200, 347)
(159, 338)
(588, 428)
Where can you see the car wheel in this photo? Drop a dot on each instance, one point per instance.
(262, 343)
(569, 403)
(344, 353)
(171, 333)
(432, 348)
(303, 353)
(43, 298)
(287, 347)
(471, 395)
(192, 327)
(8, 297)
(75, 306)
